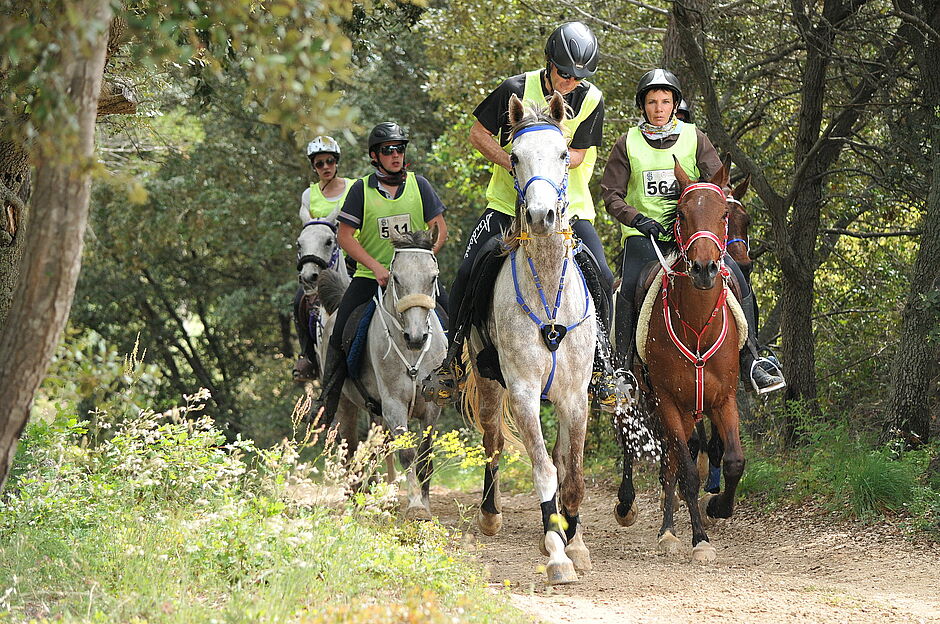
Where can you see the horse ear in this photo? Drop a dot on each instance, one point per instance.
(556, 107)
(723, 177)
(681, 176)
(333, 215)
(741, 189)
(394, 236)
(516, 110)
(435, 232)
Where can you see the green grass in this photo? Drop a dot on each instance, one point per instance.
(165, 523)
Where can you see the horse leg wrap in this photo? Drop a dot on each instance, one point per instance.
(550, 519)
(489, 490)
(573, 522)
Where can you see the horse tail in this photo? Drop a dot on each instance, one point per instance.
(331, 287)
(470, 408)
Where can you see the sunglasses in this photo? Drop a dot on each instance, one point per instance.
(388, 150)
(326, 162)
(566, 76)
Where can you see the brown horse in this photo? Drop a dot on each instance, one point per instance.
(692, 359)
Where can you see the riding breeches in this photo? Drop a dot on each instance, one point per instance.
(306, 333)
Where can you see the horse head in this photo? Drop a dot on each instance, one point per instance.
(539, 160)
(317, 250)
(701, 225)
(739, 221)
(412, 287)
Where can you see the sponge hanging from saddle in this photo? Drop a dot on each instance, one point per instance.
(652, 299)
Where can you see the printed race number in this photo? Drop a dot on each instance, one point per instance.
(399, 223)
(660, 183)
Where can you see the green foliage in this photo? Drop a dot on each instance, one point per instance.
(164, 522)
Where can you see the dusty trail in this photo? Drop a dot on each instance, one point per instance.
(770, 567)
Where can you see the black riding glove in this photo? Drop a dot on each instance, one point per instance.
(647, 226)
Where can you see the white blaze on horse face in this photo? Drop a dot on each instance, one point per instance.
(318, 241)
(415, 273)
(542, 153)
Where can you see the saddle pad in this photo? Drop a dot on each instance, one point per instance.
(652, 300)
(354, 337)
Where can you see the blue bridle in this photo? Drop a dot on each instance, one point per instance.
(561, 190)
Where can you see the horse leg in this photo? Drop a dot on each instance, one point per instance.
(427, 413)
(625, 510)
(395, 415)
(673, 456)
(689, 482)
(722, 505)
(572, 428)
(715, 451)
(524, 402)
(490, 517)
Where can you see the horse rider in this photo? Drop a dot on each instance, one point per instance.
(389, 198)
(571, 55)
(639, 189)
(322, 199)
(684, 112)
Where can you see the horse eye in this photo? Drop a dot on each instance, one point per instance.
(564, 155)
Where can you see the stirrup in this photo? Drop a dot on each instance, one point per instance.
(443, 385)
(611, 390)
(771, 368)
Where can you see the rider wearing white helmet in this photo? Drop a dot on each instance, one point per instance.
(329, 191)
(639, 189)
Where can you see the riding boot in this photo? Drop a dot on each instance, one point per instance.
(763, 374)
(442, 386)
(333, 379)
(625, 332)
(610, 388)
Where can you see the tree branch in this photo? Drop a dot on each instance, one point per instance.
(855, 234)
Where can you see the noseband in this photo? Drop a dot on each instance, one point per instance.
(561, 190)
(317, 260)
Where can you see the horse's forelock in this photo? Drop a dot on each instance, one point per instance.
(535, 115)
(420, 239)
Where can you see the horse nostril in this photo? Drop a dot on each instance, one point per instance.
(712, 268)
(696, 267)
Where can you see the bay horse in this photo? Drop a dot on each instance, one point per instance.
(542, 324)
(691, 352)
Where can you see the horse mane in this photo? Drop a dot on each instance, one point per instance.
(330, 287)
(420, 239)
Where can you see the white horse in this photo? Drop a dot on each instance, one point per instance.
(543, 326)
(319, 255)
(405, 341)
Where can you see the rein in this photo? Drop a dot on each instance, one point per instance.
(699, 358)
(317, 260)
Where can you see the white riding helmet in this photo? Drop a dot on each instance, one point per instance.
(323, 144)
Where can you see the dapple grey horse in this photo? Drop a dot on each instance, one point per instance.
(543, 326)
(405, 340)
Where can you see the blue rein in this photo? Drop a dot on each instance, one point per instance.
(552, 333)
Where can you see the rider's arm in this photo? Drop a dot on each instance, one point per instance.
(305, 206)
(346, 237)
(706, 157)
(486, 144)
(575, 157)
(441, 231)
(589, 134)
(614, 183)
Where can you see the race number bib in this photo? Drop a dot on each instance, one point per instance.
(399, 223)
(660, 183)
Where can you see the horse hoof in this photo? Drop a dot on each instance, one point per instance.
(489, 524)
(630, 518)
(669, 544)
(580, 557)
(561, 573)
(707, 521)
(417, 512)
(703, 553)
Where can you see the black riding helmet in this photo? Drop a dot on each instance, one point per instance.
(657, 79)
(572, 48)
(385, 132)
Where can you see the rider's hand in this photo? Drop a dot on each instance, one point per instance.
(647, 226)
(381, 275)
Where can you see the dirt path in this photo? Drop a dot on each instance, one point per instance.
(770, 568)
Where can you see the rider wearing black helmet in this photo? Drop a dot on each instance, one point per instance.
(639, 188)
(390, 198)
(571, 55)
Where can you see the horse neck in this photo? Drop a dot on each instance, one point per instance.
(696, 306)
(548, 256)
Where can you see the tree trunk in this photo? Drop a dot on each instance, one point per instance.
(48, 273)
(917, 357)
(14, 217)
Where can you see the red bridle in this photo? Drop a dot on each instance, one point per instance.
(697, 357)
